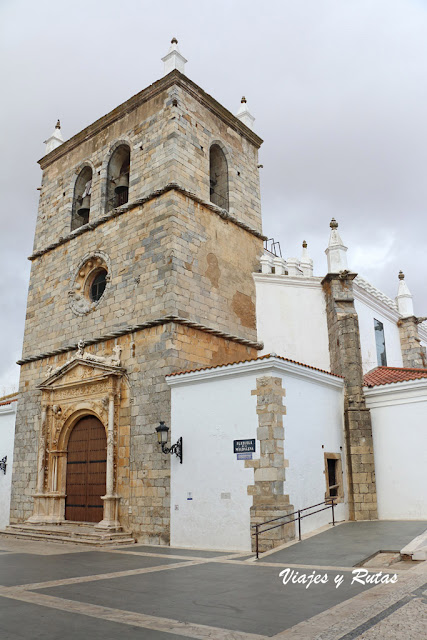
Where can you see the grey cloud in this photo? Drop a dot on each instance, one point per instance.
(338, 90)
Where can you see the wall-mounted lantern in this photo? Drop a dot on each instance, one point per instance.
(3, 463)
(162, 435)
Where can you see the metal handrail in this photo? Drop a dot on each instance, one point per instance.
(330, 504)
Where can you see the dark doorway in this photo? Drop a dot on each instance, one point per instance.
(86, 471)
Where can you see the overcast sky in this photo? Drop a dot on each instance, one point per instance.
(338, 89)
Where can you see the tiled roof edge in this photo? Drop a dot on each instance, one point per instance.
(264, 357)
(400, 369)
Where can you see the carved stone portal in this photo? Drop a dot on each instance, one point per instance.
(83, 386)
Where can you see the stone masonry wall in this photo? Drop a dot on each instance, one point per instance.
(269, 470)
(196, 131)
(413, 352)
(170, 256)
(143, 472)
(346, 360)
(168, 144)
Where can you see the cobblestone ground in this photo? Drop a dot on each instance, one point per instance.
(63, 591)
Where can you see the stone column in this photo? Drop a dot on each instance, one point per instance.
(42, 511)
(269, 470)
(54, 472)
(110, 447)
(41, 452)
(413, 353)
(346, 360)
(111, 500)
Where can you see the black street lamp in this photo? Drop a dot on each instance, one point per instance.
(162, 435)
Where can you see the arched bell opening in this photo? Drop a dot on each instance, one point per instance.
(81, 199)
(118, 177)
(218, 177)
(86, 468)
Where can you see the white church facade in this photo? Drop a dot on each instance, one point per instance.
(212, 407)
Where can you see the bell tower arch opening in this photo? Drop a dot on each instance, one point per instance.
(81, 199)
(86, 471)
(218, 176)
(118, 177)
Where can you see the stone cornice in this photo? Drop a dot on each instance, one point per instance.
(171, 319)
(343, 275)
(375, 303)
(422, 331)
(376, 293)
(261, 366)
(309, 282)
(173, 78)
(119, 211)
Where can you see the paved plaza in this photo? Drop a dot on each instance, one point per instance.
(64, 591)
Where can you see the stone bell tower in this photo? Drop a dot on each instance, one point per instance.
(148, 231)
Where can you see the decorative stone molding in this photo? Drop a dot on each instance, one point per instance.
(147, 325)
(78, 295)
(82, 386)
(114, 213)
(269, 470)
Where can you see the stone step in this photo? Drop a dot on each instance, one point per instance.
(76, 534)
(73, 529)
(417, 548)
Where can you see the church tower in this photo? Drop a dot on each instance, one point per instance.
(148, 232)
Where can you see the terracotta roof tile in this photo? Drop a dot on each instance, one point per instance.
(2, 403)
(269, 355)
(388, 375)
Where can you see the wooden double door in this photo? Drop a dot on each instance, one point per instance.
(86, 471)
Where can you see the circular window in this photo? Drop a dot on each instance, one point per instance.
(98, 284)
(90, 283)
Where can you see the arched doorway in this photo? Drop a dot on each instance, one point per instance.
(86, 471)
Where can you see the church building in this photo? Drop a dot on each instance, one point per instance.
(150, 340)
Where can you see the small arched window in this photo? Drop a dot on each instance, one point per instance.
(118, 177)
(81, 200)
(218, 175)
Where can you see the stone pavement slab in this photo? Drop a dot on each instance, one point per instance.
(238, 597)
(174, 551)
(349, 544)
(23, 621)
(406, 619)
(22, 568)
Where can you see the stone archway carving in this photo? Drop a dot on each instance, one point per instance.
(85, 385)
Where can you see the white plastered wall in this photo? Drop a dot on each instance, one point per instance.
(422, 332)
(209, 501)
(399, 419)
(291, 318)
(7, 434)
(368, 312)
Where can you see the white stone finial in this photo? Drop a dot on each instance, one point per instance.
(306, 263)
(404, 300)
(55, 139)
(174, 59)
(244, 115)
(336, 251)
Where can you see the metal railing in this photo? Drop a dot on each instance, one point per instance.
(273, 247)
(330, 504)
